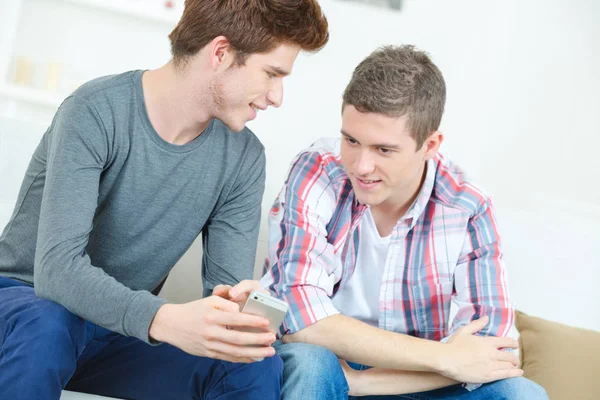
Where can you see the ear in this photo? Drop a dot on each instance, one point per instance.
(432, 144)
(221, 54)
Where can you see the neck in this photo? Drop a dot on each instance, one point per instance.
(176, 111)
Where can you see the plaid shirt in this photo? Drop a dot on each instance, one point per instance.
(446, 248)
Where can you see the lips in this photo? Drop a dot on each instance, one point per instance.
(367, 184)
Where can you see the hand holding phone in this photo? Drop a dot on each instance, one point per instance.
(261, 304)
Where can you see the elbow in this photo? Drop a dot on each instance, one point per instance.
(309, 334)
(293, 338)
(41, 281)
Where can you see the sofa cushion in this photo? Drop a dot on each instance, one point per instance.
(564, 360)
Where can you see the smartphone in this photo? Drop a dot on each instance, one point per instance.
(262, 304)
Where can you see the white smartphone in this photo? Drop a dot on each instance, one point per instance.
(259, 303)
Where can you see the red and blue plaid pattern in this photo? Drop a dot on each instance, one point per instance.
(446, 248)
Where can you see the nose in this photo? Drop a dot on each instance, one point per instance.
(364, 163)
(275, 95)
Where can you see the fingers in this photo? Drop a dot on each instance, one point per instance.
(508, 357)
(244, 338)
(227, 357)
(245, 287)
(241, 352)
(506, 371)
(475, 325)
(238, 319)
(222, 291)
(222, 304)
(505, 342)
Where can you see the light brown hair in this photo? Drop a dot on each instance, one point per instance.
(250, 26)
(397, 81)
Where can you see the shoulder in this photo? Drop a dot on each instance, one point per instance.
(320, 158)
(114, 86)
(455, 189)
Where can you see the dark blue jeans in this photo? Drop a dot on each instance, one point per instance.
(45, 348)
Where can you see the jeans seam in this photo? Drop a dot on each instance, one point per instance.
(7, 333)
(226, 375)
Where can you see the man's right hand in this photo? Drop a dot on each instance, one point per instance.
(201, 328)
(477, 359)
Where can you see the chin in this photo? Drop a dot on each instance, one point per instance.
(233, 126)
(367, 200)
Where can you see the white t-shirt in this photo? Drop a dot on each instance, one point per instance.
(359, 297)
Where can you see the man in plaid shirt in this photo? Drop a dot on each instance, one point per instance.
(372, 237)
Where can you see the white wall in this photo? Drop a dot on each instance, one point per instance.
(523, 86)
(522, 82)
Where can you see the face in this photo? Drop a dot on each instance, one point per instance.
(382, 159)
(239, 92)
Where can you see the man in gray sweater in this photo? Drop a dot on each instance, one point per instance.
(132, 169)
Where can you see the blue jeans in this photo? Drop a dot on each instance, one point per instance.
(45, 348)
(313, 372)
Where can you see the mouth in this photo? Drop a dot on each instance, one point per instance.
(256, 108)
(367, 184)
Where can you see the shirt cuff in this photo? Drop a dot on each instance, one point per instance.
(139, 315)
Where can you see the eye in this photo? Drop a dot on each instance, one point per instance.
(385, 151)
(351, 141)
(270, 75)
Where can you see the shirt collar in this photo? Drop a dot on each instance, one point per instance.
(418, 206)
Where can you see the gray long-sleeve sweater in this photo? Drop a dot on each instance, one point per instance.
(107, 207)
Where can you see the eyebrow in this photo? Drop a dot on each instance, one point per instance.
(385, 145)
(278, 71)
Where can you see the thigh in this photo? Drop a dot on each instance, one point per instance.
(40, 342)
(126, 367)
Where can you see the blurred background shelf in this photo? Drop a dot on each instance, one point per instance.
(30, 95)
(89, 38)
(140, 9)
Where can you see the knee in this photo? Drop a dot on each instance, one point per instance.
(55, 318)
(46, 338)
(273, 366)
(310, 364)
(522, 388)
(51, 322)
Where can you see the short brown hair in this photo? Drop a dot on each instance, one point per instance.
(397, 81)
(250, 26)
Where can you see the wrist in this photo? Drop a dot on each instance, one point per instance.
(159, 326)
(436, 359)
(444, 362)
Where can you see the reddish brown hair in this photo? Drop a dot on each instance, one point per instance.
(251, 26)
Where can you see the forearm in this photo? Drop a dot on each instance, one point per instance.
(358, 342)
(93, 295)
(381, 381)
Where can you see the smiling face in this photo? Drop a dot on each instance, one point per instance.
(381, 157)
(240, 91)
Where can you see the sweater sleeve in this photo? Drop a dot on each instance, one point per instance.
(77, 153)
